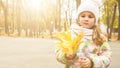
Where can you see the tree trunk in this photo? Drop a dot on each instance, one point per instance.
(5, 8)
(119, 20)
(108, 21)
(6, 19)
(59, 16)
(56, 15)
(18, 18)
(13, 16)
(66, 22)
(77, 3)
(113, 19)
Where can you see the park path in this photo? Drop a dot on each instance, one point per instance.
(37, 53)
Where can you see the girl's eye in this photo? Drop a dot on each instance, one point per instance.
(83, 16)
(90, 16)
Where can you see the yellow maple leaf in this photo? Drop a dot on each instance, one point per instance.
(67, 44)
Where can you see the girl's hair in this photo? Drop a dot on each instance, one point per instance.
(97, 35)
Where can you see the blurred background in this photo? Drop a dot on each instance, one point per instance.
(28, 27)
(44, 18)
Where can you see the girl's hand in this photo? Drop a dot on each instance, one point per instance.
(85, 62)
(70, 56)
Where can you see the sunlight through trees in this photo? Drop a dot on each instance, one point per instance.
(41, 18)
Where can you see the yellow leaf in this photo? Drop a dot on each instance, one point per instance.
(66, 44)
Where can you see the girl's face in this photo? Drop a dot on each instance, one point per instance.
(86, 19)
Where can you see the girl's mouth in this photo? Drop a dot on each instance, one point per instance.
(86, 23)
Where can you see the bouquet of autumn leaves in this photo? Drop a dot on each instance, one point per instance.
(68, 44)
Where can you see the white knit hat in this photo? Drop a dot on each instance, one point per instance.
(89, 5)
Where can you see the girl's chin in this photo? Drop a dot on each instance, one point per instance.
(86, 27)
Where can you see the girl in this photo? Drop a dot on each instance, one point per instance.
(94, 51)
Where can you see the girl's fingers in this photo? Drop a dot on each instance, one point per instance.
(85, 65)
(70, 56)
(85, 62)
(82, 59)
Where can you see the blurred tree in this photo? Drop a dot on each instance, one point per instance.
(33, 17)
(109, 16)
(119, 20)
(59, 15)
(13, 13)
(113, 20)
(5, 9)
(18, 8)
(78, 3)
(6, 18)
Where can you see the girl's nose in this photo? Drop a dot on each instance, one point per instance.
(86, 18)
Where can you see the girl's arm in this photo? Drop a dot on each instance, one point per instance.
(103, 59)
